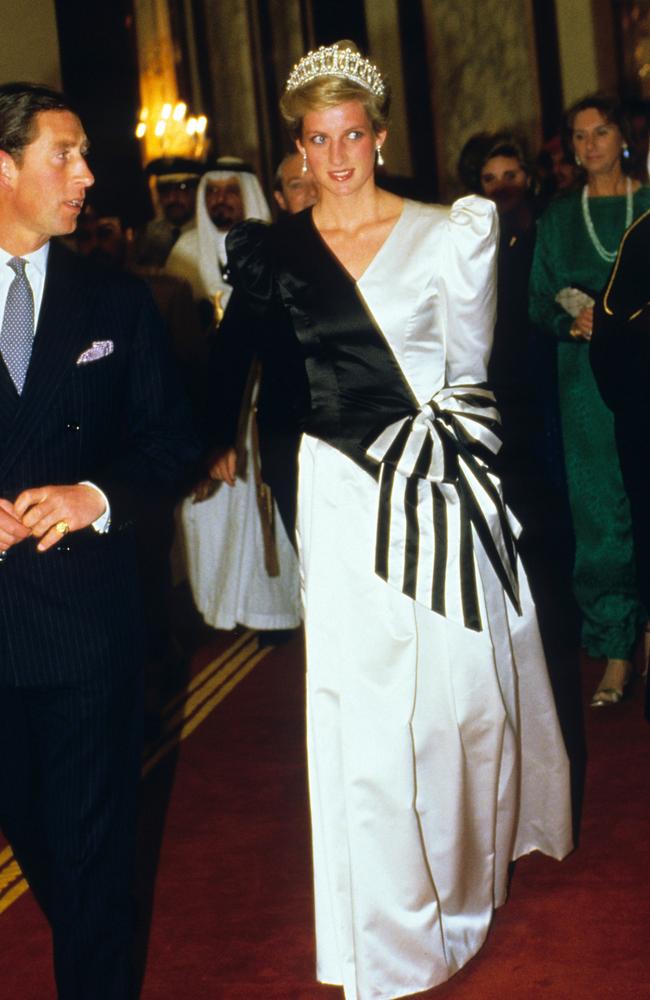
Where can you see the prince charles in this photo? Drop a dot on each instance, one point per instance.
(91, 423)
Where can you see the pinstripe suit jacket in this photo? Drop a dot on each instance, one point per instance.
(119, 421)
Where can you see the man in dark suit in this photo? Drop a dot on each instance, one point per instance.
(91, 421)
(176, 181)
(620, 358)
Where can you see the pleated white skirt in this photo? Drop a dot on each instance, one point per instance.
(435, 755)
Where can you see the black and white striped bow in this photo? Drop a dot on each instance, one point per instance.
(436, 494)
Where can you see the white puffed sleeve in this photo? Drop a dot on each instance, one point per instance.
(468, 288)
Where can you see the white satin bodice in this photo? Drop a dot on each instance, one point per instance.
(442, 262)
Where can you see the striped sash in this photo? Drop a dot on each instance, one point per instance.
(436, 494)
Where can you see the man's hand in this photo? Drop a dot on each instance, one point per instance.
(12, 530)
(41, 509)
(223, 466)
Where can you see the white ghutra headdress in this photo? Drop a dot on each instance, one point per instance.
(330, 60)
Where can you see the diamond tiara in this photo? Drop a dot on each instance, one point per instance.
(329, 60)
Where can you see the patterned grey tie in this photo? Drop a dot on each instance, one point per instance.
(17, 333)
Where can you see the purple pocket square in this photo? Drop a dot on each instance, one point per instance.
(98, 349)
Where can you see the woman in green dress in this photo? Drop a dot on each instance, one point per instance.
(577, 241)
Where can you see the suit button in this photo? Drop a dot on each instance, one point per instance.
(72, 427)
(3, 556)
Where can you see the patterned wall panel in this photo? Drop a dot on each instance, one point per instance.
(483, 75)
(234, 109)
(250, 46)
(384, 46)
(30, 49)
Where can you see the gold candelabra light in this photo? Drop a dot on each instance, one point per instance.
(170, 131)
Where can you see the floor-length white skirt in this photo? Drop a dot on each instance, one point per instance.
(435, 755)
(224, 556)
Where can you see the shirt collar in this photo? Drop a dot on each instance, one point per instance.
(36, 259)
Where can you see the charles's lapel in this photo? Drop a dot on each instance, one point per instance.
(61, 334)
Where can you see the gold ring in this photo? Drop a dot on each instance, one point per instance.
(62, 527)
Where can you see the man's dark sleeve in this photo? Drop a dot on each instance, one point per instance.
(158, 445)
(620, 344)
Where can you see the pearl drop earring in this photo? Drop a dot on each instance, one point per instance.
(304, 163)
(380, 159)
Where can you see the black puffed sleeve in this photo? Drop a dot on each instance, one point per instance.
(250, 264)
(256, 325)
(236, 342)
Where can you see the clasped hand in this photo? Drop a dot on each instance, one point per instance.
(37, 511)
(583, 323)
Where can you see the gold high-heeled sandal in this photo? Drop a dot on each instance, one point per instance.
(612, 686)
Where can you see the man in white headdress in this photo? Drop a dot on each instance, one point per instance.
(225, 196)
(230, 547)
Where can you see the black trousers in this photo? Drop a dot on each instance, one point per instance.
(69, 774)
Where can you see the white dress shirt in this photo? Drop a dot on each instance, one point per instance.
(35, 272)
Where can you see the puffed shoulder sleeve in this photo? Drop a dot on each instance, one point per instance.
(248, 248)
(468, 280)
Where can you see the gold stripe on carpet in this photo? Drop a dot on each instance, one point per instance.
(16, 891)
(202, 695)
(182, 715)
(12, 883)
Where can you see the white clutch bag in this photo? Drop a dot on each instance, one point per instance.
(573, 301)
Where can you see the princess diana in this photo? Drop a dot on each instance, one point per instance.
(435, 756)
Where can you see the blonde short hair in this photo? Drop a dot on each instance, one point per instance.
(328, 91)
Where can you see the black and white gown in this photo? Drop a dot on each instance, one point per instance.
(435, 755)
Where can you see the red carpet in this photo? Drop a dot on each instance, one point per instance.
(231, 914)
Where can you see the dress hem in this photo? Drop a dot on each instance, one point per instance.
(254, 622)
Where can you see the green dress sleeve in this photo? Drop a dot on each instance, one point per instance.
(546, 279)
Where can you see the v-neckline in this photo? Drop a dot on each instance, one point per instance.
(356, 281)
